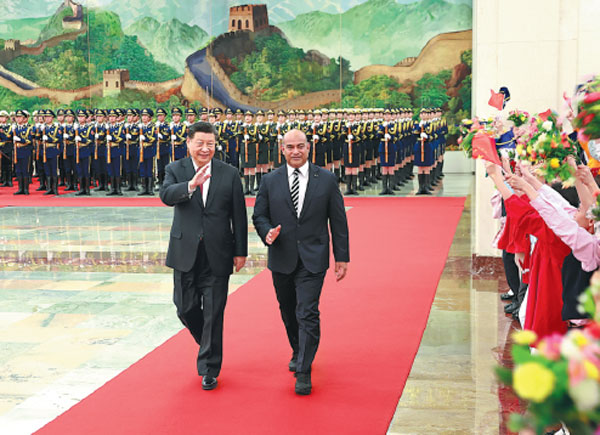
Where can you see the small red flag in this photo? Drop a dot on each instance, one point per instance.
(484, 147)
(544, 115)
(496, 100)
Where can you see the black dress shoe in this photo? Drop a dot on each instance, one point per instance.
(293, 363)
(303, 384)
(511, 308)
(209, 383)
(507, 296)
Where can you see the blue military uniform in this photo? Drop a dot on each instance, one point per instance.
(51, 151)
(132, 151)
(6, 152)
(22, 136)
(84, 141)
(99, 163)
(68, 149)
(163, 133)
(115, 142)
(148, 148)
(178, 137)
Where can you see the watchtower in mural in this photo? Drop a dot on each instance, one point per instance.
(248, 17)
(114, 81)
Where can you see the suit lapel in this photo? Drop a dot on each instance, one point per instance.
(313, 180)
(215, 178)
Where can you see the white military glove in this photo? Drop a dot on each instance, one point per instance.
(96, 136)
(65, 136)
(109, 138)
(128, 136)
(160, 136)
(44, 137)
(424, 135)
(388, 136)
(384, 123)
(219, 148)
(279, 137)
(316, 137)
(350, 136)
(246, 137)
(17, 139)
(173, 137)
(142, 138)
(77, 138)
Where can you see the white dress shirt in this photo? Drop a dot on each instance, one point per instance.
(303, 181)
(206, 184)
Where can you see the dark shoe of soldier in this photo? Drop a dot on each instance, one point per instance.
(63, 181)
(209, 382)
(82, 187)
(43, 185)
(508, 296)
(118, 186)
(303, 384)
(21, 186)
(511, 308)
(55, 184)
(113, 187)
(50, 186)
(422, 186)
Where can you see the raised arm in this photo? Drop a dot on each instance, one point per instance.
(172, 191)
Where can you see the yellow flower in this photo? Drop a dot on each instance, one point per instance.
(532, 381)
(524, 337)
(554, 163)
(519, 149)
(529, 149)
(591, 370)
(580, 339)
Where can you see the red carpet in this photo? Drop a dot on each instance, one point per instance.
(372, 324)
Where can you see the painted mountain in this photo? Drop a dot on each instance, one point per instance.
(13, 9)
(170, 42)
(367, 29)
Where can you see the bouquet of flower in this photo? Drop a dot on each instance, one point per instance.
(518, 117)
(549, 146)
(588, 108)
(468, 129)
(562, 381)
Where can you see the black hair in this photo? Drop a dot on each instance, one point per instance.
(568, 193)
(201, 127)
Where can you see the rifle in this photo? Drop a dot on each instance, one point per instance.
(386, 143)
(172, 143)
(76, 145)
(314, 144)
(141, 131)
(350, 144)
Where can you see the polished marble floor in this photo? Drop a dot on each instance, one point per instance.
(84, 294)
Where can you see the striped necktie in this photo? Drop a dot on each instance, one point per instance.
(295, 191)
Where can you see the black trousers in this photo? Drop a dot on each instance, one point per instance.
(511, 271)
(200, 299)
(298, 295)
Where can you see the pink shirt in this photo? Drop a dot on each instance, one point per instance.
(558, 215)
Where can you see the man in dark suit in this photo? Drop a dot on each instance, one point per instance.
(293, 208)
(209, 236)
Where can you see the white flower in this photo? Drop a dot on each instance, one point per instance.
(569, 349)
(547, 125)
(542, 137)
(585, 394)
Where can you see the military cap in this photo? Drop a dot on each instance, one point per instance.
(203, 110)
(69, 112)
(387, 111)
(121, 112)
(228, 111)
(190, 111)
(217, 111)
(81, 112)
(270, 112)
(300, 112)
(148, 112)
(248, 112)
(100, 112)
(176, 111)
(325, 110)
(131, 112)
(317, 112)
(291, 112)
(47, 112)
(281, 113)
(161, 111)
(3, 113)
(239, 112)
(309, 111)
(260, 112)
(34, 113)
(113, 112)
(89, 112)
(60, 112)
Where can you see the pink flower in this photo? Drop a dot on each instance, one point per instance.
(576, 372)
(549, 347)
(591, 98)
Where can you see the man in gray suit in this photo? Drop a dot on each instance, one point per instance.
(294, 208)
(209, 237)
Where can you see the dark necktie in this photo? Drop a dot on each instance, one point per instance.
(295, 191)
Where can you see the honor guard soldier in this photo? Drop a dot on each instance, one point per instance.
(60, 120)
(335, 139)
(22, 142)
(100, 151)
(230, 129)
(132, 149)
(52, 133)
(262, 147)
(271, 138)
(68, 150)
(442, 132)
(279, 129)
(164, 143)
(6, 149)
(38, 123)
(84, 144)
(115, 138)
(222, 134)
(204, 114)
(178, 135)
(317, 136)
(424, 152)
(388, 135)
(351, 135)
(190, 116)
(249, 137)
(148, 142)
